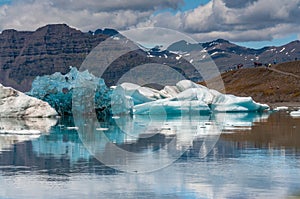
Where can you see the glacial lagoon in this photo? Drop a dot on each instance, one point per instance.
(233, 155)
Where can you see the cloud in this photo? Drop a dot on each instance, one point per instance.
(29, 15)
(252, 20)
(236, 20)
(109, 5)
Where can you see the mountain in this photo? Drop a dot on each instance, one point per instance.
(227, 55)
(53, 48)
(27, 54)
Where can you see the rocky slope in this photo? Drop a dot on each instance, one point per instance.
(277, 84)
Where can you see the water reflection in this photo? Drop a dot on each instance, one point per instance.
(14, 130)
(262, 161)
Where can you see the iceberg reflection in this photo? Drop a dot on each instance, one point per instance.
(13, 130)
(146, 142)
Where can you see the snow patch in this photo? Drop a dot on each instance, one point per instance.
(283, 49)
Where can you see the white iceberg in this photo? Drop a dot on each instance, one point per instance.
(16, 104)
(295, 113)
(281, 108)
(185, 97)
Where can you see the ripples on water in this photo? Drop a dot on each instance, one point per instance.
(256, 156)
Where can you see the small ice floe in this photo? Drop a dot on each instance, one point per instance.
(20, 132)
(72, 128)
(241, 127)
(115, 117)
(281, 108)
(102, 129)
(295, 113)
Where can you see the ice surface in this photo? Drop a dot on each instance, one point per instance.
(295, 113)
(58, 90)
(15, 104)
(185, 97)
(281, 108)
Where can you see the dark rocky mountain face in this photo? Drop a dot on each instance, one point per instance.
(53, 48)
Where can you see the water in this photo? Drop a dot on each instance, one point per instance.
(255, 156)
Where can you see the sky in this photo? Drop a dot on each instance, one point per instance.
(251, 23)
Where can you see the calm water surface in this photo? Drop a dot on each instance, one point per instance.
(220, 156)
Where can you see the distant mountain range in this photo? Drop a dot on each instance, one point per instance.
(53, 48)
(227, 55)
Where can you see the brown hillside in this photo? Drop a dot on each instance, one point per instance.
(280, 83)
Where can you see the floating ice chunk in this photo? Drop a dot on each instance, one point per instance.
(231, 103)
(72, 128)
(281, 108)
(295, 113)
(186, 96)
(16, 104)
(58, 90)
(102, 129)
(20, 132)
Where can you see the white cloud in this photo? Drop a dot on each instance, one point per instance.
(256, 20)
(25, 16)
(237, 20)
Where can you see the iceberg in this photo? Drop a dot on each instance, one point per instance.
(185, 97)
(82, 92)
(295, 114)
(281, 108)
(58, 90)
(15, 104)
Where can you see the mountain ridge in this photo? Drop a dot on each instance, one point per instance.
(54, 47)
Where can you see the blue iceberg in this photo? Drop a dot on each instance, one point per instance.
(59, 90)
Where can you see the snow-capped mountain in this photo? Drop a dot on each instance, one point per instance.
(228, 55)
